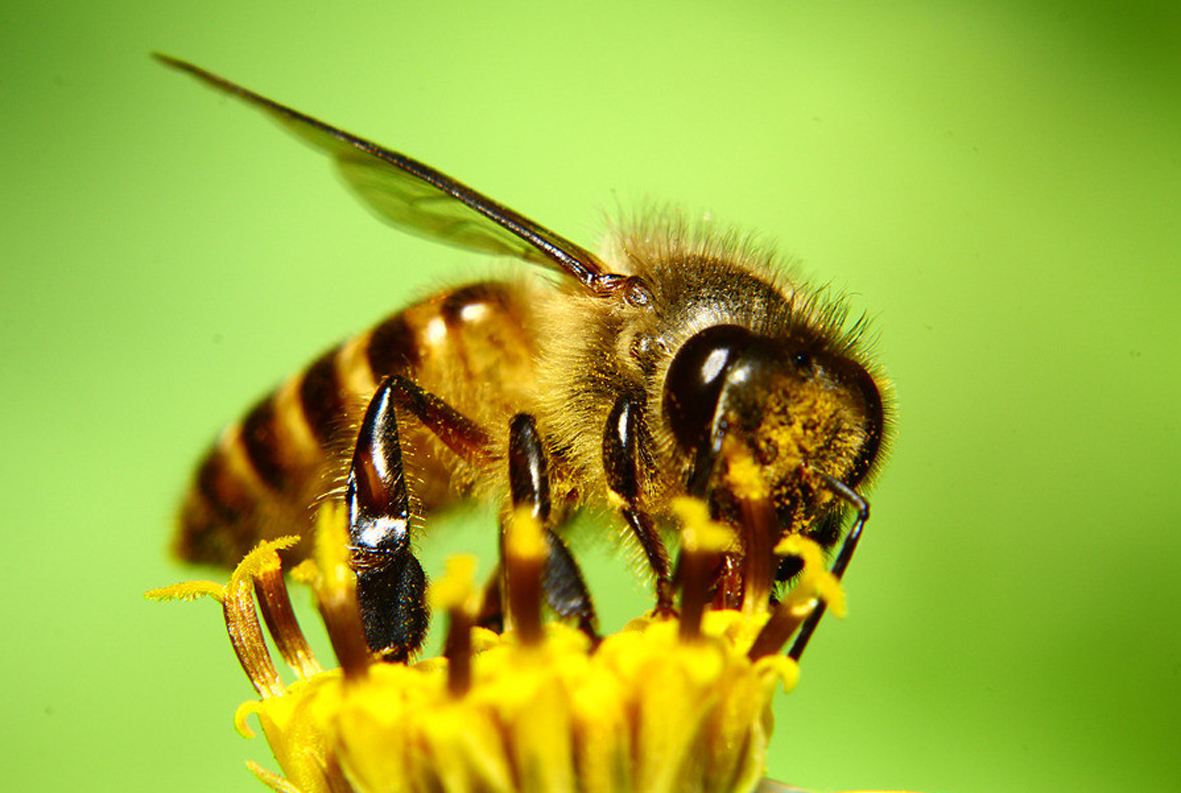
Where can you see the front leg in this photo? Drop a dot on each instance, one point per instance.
(620, 455)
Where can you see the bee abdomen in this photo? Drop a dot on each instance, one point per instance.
(263, 474)
(250, 478)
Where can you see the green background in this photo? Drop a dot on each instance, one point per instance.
(998, 184)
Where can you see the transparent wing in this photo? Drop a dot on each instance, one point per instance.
(421, 208)
(416, 198)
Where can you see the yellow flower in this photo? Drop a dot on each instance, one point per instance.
(666, 705)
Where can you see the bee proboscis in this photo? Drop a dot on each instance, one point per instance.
(676, 363)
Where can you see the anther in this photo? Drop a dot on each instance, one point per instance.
(815, 588)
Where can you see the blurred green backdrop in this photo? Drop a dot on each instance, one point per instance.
(999, 184)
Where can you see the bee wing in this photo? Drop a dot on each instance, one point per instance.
(416, 198)
(420, 207)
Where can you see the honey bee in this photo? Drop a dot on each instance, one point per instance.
(650, 372)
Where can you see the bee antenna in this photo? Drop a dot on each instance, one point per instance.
(857, 501)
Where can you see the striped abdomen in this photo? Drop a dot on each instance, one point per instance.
(473, 347)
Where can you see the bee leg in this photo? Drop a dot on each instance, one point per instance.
(459, 433)
(562, 580)
(491, 613)
(620, 451)
(564, 587)
(844, 556)
(391, 585)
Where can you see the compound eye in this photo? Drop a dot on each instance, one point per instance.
(695, 379)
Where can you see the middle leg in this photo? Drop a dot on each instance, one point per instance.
(565, 589)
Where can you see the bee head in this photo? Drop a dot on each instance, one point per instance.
(790, 405)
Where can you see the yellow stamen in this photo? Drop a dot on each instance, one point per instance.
(699, 532)
(454, 594)
(816, 577)
(454, 590)
(524, 559)
(816, 582)
(336, 591)
(702, 541)
(539, 709)
(242, 619)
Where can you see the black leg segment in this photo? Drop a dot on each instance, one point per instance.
(620, 463)
(459, 433)
(844, 556)
(528, 474)
(565, 589)
(391, 585)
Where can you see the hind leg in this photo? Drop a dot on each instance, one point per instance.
(391, 585)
